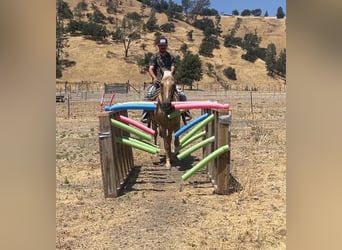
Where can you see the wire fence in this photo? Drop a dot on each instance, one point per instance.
(85, 102)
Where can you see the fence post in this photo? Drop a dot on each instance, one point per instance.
(68, 105)
(109, 174)
(223, 161)
(251, 101)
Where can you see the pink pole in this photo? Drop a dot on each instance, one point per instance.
(202, 105)
(183, 102)
(111, 99)
(101, 101)
(136, 124)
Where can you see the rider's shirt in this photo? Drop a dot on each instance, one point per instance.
(162, 63)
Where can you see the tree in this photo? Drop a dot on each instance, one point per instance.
(144, 61)
(251, 40)
(189, 35)
(246, 12)
(168, 27)
(112, 6)
(251, 44)
(266, 14)
(79, 9)
(270, 59)
(235, 12)
(96, 31)
(174, 10)
(207, 46)
(97, 16)
(189, 69)
(230, 40)
(62, 12)
(151, 24)
(197, 6)
(230, 73)
(280, 13)
(256, 12)
(186, 4)
(281, 63)
(184, 48)
(209, 12)
(127, 33)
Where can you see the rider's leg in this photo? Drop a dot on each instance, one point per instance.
(150, 92)
(182, 97)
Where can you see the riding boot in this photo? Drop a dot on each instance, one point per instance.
(145, 117)
(186, 115)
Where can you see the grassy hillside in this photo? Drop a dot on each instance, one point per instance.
(105, 62)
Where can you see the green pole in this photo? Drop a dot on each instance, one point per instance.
(196, 128)
(176, 113)
(133, 144)
(205, 161)
(131, 130)
(186, 143)
(143, 143)
(195, 147)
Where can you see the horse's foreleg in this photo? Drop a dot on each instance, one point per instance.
(176, 142)
(167, 147)
(154, 127)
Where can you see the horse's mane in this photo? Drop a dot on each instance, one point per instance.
(167, 74)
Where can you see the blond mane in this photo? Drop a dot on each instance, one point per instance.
(167, 74)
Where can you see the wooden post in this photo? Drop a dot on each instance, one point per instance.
(109, 175)
(68, 105)
(223, 161)
(251, 101)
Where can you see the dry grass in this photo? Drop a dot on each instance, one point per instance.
(92, 63)
(152, 213)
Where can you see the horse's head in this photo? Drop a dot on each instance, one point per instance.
(167, 91)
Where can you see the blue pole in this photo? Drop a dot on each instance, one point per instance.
(190, 124)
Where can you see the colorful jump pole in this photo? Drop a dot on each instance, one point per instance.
(101, 101)
(143, 143)
(190, 124)
(195, 147)
(131, 130)
(194, 138)
(136, 124)
(205, 161)
(196, 128)
(202, 105)
(175, 114)
(133, 144)
(111, 99)
(120, 106)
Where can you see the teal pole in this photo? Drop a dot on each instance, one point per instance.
(205, 161)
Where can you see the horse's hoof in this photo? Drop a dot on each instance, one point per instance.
(168, 166)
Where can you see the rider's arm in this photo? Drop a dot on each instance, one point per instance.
(151, 73)
(173, 70)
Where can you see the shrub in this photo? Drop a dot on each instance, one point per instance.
(168, 27)
(230, 73)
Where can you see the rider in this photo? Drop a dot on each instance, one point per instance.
(160, 62)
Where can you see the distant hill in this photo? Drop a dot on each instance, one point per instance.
(105, 62)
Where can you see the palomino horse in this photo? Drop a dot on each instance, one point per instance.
(167, 94)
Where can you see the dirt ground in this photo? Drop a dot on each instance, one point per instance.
(153, 212)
